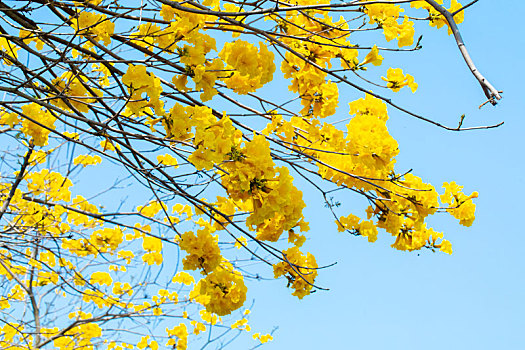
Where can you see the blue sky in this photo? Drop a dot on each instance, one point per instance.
(380, 298)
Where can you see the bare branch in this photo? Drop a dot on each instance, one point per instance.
(490, 91)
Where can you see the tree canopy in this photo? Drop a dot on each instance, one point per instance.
(206, 122)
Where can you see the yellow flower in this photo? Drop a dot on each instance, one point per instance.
(101, 278)
(446, 247)
(183, 278)
(396, 80)
(373, 57)
(181, 333)
(197, 327)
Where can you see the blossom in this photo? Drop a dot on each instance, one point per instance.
(396, 80)
(221, 291)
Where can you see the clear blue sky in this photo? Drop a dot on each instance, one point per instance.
(380, 298)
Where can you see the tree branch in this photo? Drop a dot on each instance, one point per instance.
(18, 179)
(490, 91)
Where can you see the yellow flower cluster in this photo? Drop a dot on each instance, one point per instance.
(153, 247)
(11, 267)
(167, 160)
(107, 239)
(119, 289)
(460, 205)
(387, 15)
(250, 168)
(214, 139)
(9, 119)
(178, 337)
(228, 208)
(404, 216)
(263, 338)
(74, 88)
(198, 327)
(139, 81)
(82, 336)
(101, 278)
(241, 324)
(40, 125)
(152, 208)
(361, 159)
(52, 185)
(7, 47)
(93, 25)
(369, 106)
(367, 151)
(300, 270)
(77, 218)
(202, 249)
(29, 37)
(435, 18)
(356, 225)
(101, 241)
(13, 333)
(251, 68)
(184, 28)
(221, 291)
(47, 220)
(86, 160)
(319, 97)
(277, 207)
(252, 178)
(145, 343)
(183, 278)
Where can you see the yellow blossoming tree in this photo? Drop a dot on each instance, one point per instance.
(174, 105)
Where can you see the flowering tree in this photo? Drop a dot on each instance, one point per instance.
(172, 97)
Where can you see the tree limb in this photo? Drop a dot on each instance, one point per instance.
(490, 91)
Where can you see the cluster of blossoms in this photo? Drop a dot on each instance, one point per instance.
(145, 114)
(36, 122)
